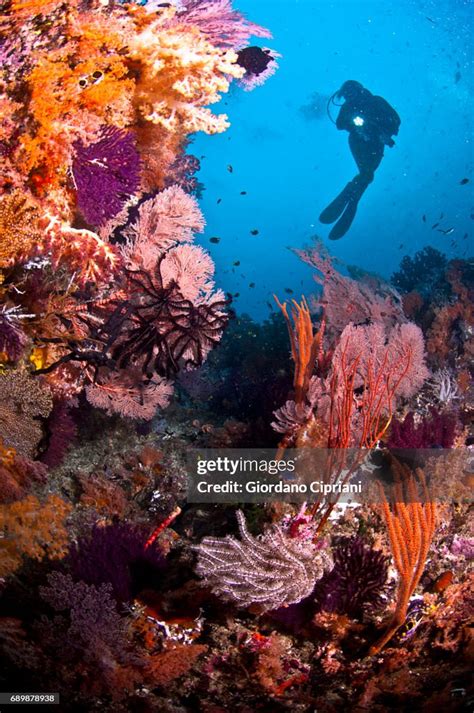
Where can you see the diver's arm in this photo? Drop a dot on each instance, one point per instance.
(344, 119)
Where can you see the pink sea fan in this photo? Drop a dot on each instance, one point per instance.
(191, 268)
(127, 396)
(407, 346)
(345, 300)
(170, 217)
(370, 372)
(222, 25)
(396, 360)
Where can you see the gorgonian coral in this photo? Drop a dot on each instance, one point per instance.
(346, 300)
(125, 393)
(117, 555)
(106, 175)
(164, 220)
(271, 570)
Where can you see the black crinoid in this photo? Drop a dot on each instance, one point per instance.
(358, 581)
(161, 330)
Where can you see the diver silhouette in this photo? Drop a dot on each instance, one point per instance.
(371, 123)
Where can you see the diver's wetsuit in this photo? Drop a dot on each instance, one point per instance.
(371, 122)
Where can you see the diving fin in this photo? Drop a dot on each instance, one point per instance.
(344, 222)
(334, 209)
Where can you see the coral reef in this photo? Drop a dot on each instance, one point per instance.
(119, 353)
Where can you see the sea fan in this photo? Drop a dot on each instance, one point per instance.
(106, 175)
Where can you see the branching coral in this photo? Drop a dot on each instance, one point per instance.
(411, 523)
(271, 570)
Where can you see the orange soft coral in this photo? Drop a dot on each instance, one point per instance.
(19, 229)
(33, 530)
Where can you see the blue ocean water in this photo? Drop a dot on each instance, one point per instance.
(291, 163)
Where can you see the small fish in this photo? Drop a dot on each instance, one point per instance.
(254, 232)
(219, 200)
(430, 20)
(214, 240)
(463, 181)
(236, 294)
(424, 218)
(230, 168)
(288, 290)
(457, 77)
(243, 193)
(236, 263)
(443, 581)
(464, 237)
(446, 232)
(434, 226)
(252, 284)
(441, 216)
(400, 247)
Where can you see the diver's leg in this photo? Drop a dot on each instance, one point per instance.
(334, 209)
(360, 183)
(368, 156)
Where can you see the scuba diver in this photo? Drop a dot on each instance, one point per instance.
(371, 123)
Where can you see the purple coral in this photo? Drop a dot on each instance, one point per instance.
(117, 555)
(221, 24)
(357, 581)
(436, 430)
(106, 175)
(12, 339)
(62, 430)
